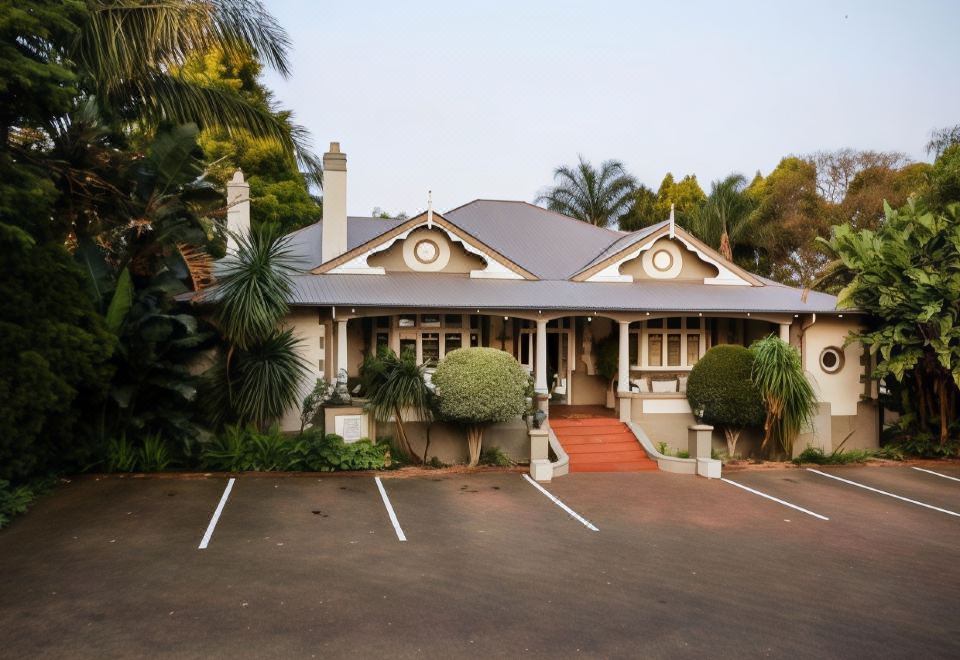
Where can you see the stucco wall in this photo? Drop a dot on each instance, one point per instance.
(692, 269)
(861, 428)
(461, 261)
(448, 442)
(842, 389)
(306, 325)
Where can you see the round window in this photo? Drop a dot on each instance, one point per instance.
(831, 359)
(662, 260)
(427, 252)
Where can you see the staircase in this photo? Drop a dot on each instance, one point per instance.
(601, 444)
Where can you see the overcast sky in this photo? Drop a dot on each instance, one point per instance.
(484, 99)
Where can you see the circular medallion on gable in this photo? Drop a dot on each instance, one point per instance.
(426, 251)
(663, 261)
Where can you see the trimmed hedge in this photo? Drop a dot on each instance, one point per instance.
(720, 384)
(480, 386)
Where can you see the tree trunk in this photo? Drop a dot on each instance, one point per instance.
(732, 435)
(474, 444)
(402, 436)
(921, 399)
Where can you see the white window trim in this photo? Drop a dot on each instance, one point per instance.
(417, 331)
(643, 332)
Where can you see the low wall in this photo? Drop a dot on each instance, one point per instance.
(448, 442)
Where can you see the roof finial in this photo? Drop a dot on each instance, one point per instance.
(429, 209)
(672, 221)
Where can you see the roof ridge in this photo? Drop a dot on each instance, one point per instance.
(539, 208)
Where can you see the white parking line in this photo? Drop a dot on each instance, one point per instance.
(216, 515)
(883, 492)
(771, 497)
(390, 511)
(586, 523)
(945, 476)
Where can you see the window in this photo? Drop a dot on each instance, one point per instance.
(430, 320)
(382, 322)
(407, 321)
(474, 340)
(430, 342)
(831, 359)
(383, 339)
(674, 343)
(408, 344)
(452, 341)
(452, 321)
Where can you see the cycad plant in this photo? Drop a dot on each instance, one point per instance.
(789, 398)
(257, 376)
(395, 384)
(598, 196)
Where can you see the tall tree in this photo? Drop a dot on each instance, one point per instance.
(686, 196)
(598, 196)
(943, 138)
(643, 210)
(280, 192)
(724, 219)
(905, 275)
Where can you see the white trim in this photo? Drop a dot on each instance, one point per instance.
(495, 269)
(611, 273)
(666, 406)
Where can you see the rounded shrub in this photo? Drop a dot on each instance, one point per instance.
(477, 387)
(720, 385)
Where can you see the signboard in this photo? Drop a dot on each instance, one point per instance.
(349, 427)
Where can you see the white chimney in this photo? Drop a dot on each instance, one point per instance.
(334, 203)
(238, 209)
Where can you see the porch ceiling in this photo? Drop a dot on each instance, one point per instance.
(439, 290)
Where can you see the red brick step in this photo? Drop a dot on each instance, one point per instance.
(601, 445)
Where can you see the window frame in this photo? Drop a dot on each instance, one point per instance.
(641, 334)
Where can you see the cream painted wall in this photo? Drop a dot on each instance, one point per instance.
(392, 259)
(843, 388)
(306, 325)
(693, 268)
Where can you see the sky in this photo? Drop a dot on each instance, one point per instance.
(485, 99)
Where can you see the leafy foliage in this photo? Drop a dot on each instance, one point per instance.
(907, 274)
(720, 385)
(394, 384)
(790, 400)
(599, 197)
(240, 449)
(477, 387)
(14, 500)
(838, 456)
(723, 221)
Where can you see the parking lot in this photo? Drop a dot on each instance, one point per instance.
(842, 562)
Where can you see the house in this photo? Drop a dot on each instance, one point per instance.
(549, 289)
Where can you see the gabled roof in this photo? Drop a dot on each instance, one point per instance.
(437, 290)
(384, 239)
(305, 243)
(551, 245)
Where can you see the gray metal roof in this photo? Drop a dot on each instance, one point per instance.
(305, 243)
(550, 245)
(437, 290)
(623, 243)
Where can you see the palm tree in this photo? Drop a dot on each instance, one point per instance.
(724, 219)
(394, 384)
(789, 397)
(256, 379)
(130, 55)
(599, 197)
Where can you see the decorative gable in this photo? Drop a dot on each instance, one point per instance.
(426, 243)
(668, 254)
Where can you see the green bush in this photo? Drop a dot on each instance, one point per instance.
(720, 386)
(477, 387)
(240, 449)
(836, 457)
(495, 456)
(14, 500)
